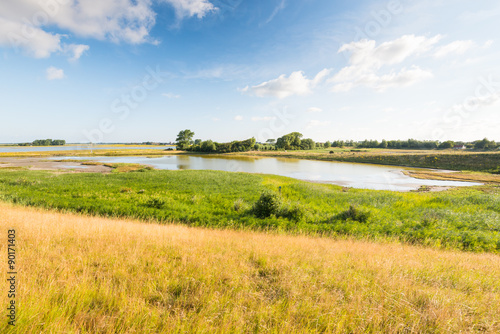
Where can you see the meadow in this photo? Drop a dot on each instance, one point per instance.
(80, 274)
(442, 159)
(462, 218)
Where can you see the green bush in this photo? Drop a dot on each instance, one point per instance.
(353, 213)
(155, 202)
(269, 203)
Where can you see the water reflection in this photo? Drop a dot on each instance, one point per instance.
(363, 176)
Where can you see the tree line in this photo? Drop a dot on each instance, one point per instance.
(185, 142)
(294, 141)
(45, 142)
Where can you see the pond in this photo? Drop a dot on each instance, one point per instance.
(7, 149)
(364, 176)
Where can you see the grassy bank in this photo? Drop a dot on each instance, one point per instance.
(79, 274)
(441, 159)
(466, 218)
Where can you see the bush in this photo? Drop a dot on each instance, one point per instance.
(269, 203)
(353, 213)
(155, 202)
(292, 212)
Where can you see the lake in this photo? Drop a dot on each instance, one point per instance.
(364, 176)
(7, 149)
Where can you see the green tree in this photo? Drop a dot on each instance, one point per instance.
(208, 146)
(184, 139)
(447, 144)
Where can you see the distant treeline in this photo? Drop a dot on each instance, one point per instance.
(414, 144)
(210, 146)
(294, 141)
(45, 142)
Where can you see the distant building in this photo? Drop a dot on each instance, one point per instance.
(459, 147)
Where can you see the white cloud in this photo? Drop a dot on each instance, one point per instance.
(488, 44)
(22, 22)
(32, 40)
(456, 47)
(171, 95)
(266, 118)
(367, 59)
(54, 73)
(314, 109)
(238, 118)
(76, 50)
(295, 84)
(276, 10)
(189, 8)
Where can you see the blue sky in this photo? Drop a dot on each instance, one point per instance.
(142, 70)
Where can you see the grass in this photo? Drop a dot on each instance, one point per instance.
(456, 176)
(441, 159)
(461, 218)
(80, 274)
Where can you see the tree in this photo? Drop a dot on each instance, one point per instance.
(446, 144)
(485, 144)
(271, 141)
(307, 144)
(184, 139)
(290, 141)
(208, 146)
(197, 141)
(327, 144)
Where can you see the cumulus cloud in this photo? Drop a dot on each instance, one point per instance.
(456, 47)
(23, 22)
(75, 51)
(367, 59)
(54, 73)
(283, 86)
(189, 8)
(32, 40)
(238, 118)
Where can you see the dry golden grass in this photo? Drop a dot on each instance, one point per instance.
(81, 274)
(456, 176)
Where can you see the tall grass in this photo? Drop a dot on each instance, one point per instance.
(79, 274)
(467, 218)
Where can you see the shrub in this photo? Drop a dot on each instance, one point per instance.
(353, 213)
(155, 202)
(269, 203)
(292, 212)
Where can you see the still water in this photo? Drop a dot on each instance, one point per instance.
(353, 175)
(6, 149)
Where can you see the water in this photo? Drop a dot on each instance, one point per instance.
(7, 149)
(353, 175)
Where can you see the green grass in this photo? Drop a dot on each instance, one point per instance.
(440, 159)
(462, 218)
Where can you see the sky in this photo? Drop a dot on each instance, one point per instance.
(142, 70)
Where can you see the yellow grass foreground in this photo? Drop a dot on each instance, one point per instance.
(81, 274)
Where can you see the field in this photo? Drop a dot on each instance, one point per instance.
(465, 219)
(488, 162)
(79, 274)
(442, 159)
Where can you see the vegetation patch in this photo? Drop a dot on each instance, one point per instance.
(461, 218)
